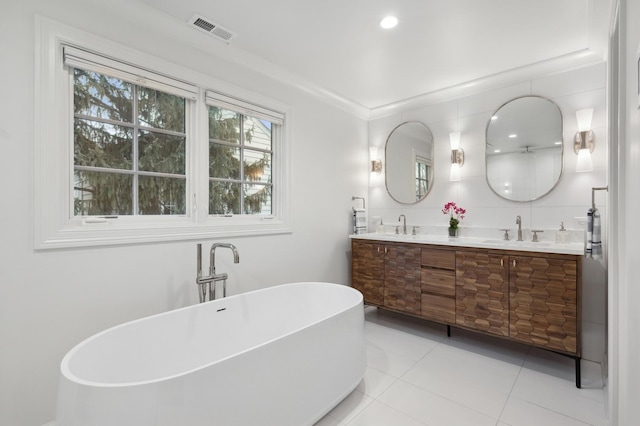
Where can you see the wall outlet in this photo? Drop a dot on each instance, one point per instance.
(581, 220)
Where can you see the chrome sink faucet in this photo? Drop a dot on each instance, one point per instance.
(404, 223)
(519, 223)
(213, 278)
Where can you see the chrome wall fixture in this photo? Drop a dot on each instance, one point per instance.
(376, 162)
(457, 156)
(584, 141)
(210, 280)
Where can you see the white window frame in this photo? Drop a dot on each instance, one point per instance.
(55, 225)
(215, 99)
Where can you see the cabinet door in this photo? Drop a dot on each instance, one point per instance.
(482, 300)
(544, 302)
(402, 278)
(367, 271)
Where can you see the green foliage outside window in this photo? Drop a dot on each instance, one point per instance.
(240, 177)
(115, 151)
(130, 153)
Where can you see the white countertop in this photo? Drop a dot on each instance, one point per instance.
(476, 242)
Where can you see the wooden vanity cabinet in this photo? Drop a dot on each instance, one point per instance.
(387, 274)
(482, 291)
(367, 270)
(528, 297)
(438, 284)
(544, 297)
(402, 278)
(532, 299)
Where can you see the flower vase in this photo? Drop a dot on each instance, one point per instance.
(453, 232)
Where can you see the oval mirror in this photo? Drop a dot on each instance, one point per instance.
(524, 149)
(409, 162)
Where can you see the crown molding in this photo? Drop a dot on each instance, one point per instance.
(574, 60)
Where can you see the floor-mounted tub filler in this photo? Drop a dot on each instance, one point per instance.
(284, 355)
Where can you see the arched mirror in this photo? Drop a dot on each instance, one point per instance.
(524, 149)
(409, 162)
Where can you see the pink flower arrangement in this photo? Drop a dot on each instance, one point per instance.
(456, 214)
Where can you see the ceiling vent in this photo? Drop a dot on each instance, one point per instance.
(211, 28)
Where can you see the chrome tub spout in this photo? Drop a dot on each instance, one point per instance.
(209, 282)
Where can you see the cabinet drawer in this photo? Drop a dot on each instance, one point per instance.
(445, 259)
(439, 308)
(438, 281)
(402, 299)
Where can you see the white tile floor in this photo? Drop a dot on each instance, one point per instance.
(416, 375)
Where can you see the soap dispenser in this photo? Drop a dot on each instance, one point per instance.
(562, 236)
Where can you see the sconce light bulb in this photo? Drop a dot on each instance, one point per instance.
(373, 153)
(584, 164)
(454, 174)
(454, 140)
(584, 116)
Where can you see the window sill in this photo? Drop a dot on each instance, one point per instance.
(111, 232)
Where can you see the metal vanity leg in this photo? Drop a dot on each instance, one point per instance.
(578, 375)
(448, 330)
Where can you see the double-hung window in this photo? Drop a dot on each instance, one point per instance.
(129, 148)
(240, 156)
(129, 138)
(125, 153)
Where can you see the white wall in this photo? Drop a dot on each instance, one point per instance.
(625, 352)
(51, 300)
(571, 90)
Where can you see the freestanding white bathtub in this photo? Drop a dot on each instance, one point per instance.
(280, 356)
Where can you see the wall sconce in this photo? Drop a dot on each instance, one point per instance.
(457, 156)
(376, 162)
(584, 141)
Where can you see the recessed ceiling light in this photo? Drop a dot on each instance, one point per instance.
(558, 143)
(513, 135)
(496, 151)
(389, 22)
(495, 117)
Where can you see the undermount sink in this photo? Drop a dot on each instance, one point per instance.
(517, 243)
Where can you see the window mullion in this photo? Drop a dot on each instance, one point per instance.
(241, 141)
(197, 162)
(134, 156)
(200, 157)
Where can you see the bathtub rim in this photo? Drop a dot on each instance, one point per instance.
(66, 374)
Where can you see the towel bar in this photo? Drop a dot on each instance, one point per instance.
(359, 198)
(593, 194)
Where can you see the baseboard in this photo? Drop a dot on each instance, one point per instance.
(604, 370)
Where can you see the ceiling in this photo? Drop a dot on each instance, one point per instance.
(338, 47)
